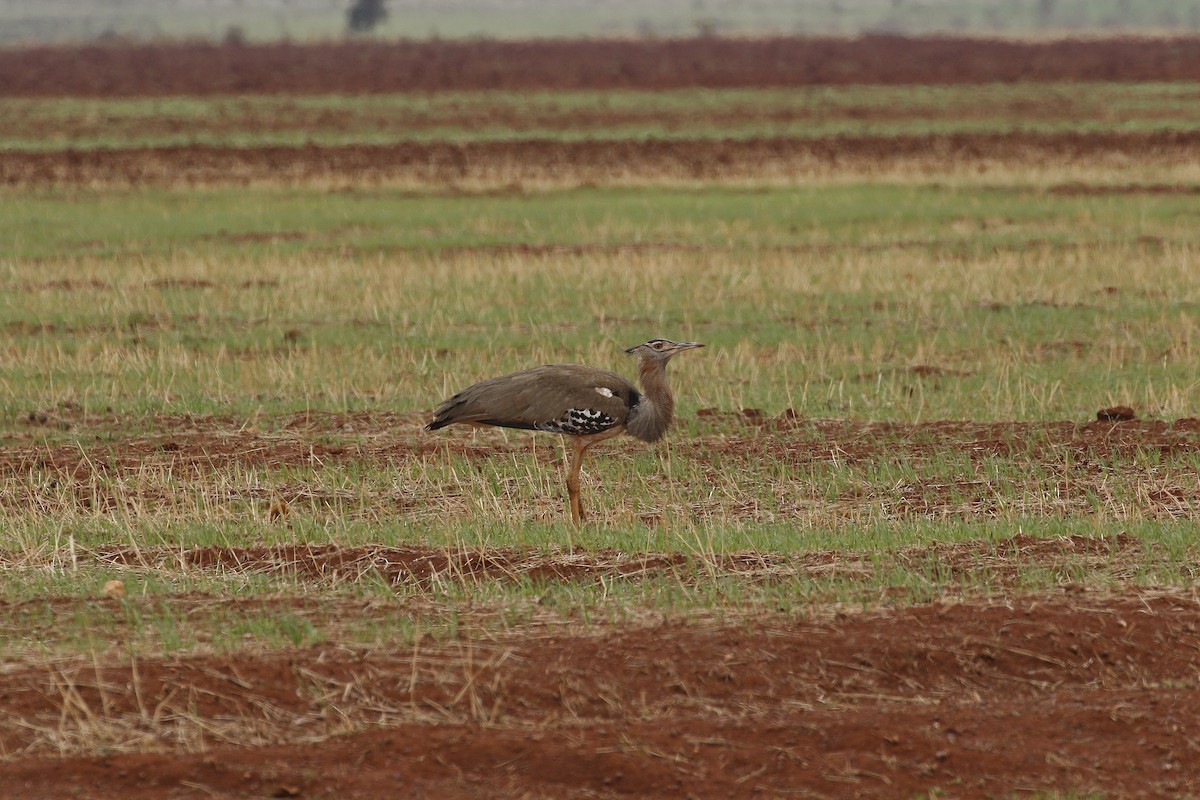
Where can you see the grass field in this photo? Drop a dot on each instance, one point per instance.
(216, 396)
(1037, 305)
(866, 303)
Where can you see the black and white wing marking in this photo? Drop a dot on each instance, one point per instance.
(578, 422)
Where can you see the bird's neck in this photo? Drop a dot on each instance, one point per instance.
(653, 414)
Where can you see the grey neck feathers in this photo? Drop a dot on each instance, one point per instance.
(652, 416)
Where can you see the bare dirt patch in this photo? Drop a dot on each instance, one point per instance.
(1079, 693)
(1077, 189)
(508, 163)
(358, 67)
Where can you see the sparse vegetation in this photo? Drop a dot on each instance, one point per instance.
(889, 497)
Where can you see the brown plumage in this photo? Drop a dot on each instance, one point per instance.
(586, 404)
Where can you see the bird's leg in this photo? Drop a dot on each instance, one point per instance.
(578, 447)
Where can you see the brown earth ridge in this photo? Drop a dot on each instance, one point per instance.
(510, 163)
(420, 66)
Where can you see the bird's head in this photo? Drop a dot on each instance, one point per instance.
(660, 349)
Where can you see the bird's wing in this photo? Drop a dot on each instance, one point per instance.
(562, 398)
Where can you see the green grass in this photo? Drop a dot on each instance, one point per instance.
(823, 299)
(803, 113)
(948, 221)
(1165, 540)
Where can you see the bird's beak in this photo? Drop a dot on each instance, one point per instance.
(675, 348)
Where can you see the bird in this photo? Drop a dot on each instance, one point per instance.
(585, 404)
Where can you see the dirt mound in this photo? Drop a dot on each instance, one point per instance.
(979, 699)
(357, 67)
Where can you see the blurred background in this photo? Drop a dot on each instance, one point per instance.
(41, 21)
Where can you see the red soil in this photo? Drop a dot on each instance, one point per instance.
(978, 699)
(200, 69)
